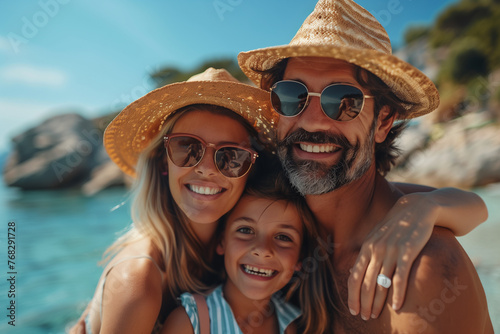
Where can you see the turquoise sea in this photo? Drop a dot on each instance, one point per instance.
(60, 236)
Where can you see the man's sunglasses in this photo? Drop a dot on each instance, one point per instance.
(341, 102)
(187, 150)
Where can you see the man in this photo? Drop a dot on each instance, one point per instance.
(336, 148)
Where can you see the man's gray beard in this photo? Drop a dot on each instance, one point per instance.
(314, 178)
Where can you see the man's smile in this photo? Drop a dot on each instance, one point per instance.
(318, 148)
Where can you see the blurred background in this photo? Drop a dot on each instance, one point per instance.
(67, 67)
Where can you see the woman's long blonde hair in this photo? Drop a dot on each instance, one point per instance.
(155, 215)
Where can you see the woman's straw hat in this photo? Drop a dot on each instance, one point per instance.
(134, 128)
(344, 30)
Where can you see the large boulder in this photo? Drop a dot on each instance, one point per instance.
(105, 176)
(60, 152)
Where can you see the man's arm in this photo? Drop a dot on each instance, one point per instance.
(444, 293)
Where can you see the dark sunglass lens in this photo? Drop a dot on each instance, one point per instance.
(342, 102)
(288, 98)
(233, 161)
(185, 151)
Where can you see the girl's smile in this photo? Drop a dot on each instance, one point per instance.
(261, 246)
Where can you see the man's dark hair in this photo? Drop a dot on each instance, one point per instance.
(386, 152)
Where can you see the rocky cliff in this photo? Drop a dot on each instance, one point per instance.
(463, 153)
(63, 151)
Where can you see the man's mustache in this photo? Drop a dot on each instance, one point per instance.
(301, 135)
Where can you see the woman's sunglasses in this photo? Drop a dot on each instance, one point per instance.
(187, 150)
(340, 102)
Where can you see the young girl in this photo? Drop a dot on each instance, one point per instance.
(191, 147)
(265, 238)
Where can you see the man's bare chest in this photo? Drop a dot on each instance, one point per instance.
(344, 321)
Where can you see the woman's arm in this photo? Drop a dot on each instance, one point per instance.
(79, 326)
(132, 297)
(395, 242)
(131, 300)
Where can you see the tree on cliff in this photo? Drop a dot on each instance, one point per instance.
(168, 75)
(466, 39)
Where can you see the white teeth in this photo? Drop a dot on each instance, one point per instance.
(257, 271)
(323, 148)
(204, 190)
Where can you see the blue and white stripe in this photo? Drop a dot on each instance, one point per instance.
(222, 318)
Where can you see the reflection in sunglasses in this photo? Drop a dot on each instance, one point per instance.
(186, 150)
(340, 101)
(350, 107)
(193, 154)
(232, 161)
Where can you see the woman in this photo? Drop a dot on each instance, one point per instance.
(191, 147)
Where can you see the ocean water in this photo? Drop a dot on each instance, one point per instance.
(60, 236)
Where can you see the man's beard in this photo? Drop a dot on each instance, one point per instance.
(310, 177)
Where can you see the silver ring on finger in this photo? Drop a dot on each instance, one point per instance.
(384, 281)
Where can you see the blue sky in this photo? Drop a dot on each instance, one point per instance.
(92, 56)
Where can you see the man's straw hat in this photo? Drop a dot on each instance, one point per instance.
(344, 30)
(134, 128)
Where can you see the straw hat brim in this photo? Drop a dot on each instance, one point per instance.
(406, 81)
(134, 128)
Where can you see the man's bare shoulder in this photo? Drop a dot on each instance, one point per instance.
(444, 292)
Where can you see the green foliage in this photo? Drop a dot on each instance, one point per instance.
(414, 33)
(455, 21)
(464, 62)
(496, 96)
(468, 63)
(168, 75)
(478, 93)
(474, 20)
(487, 34)
(466, 42)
